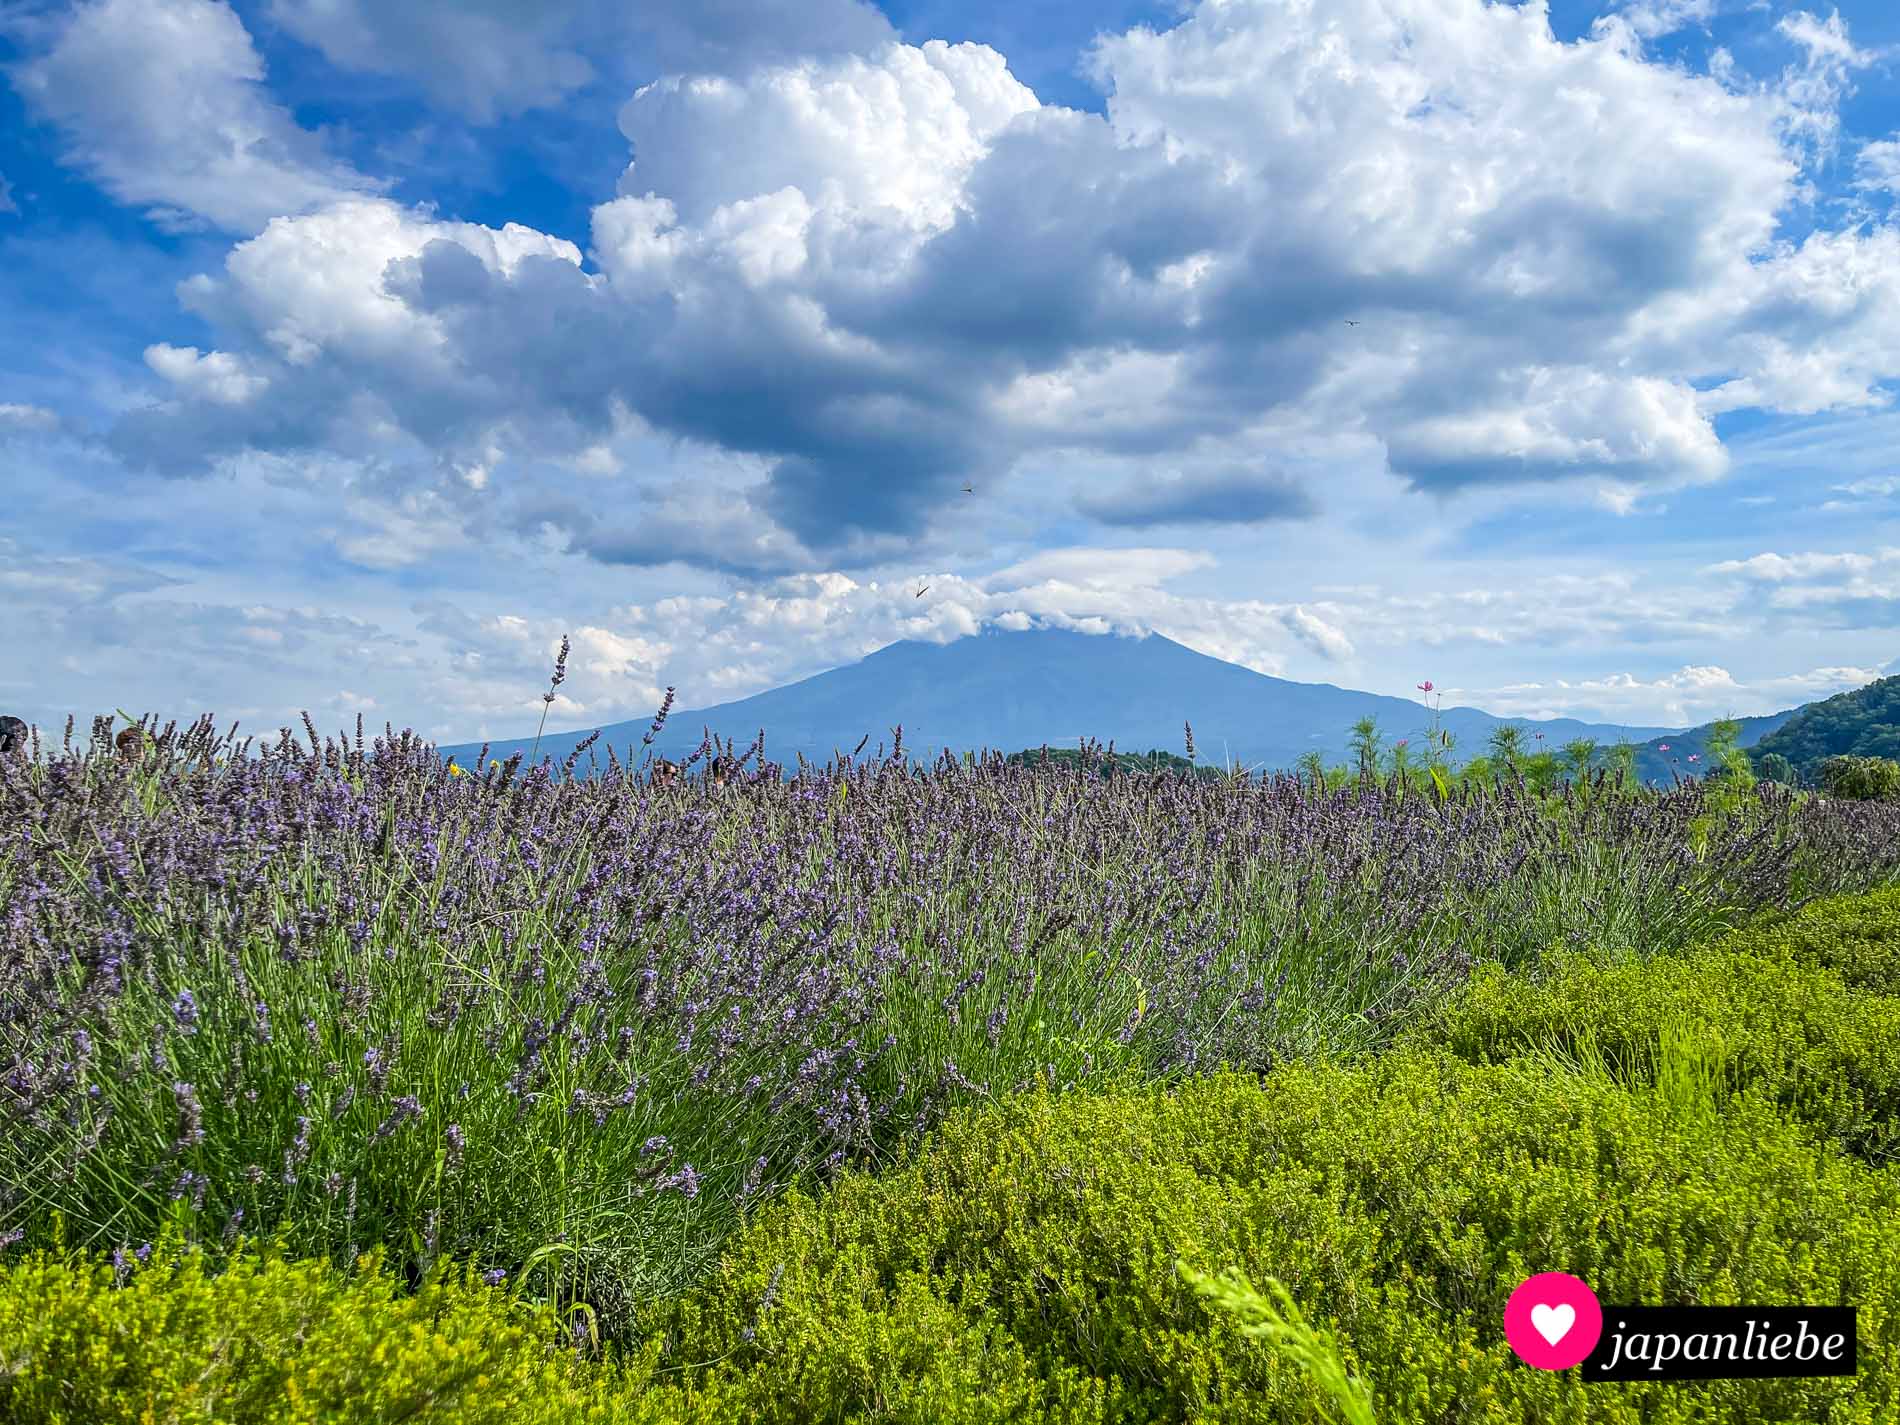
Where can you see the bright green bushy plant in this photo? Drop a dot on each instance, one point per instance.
(271, 1340)
(1367, 746)
(1401, 1202)
(1730, 774)
(1787, 1022)
(1858, 937)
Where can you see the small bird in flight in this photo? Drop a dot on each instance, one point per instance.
(921, 592)
(1350, 322)
(969, 489)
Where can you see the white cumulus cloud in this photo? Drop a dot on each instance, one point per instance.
(163, 103)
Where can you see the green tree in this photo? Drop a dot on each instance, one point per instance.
(1580, 752)
(1861, 778)
(1622, 758)
(1773, 767)
(1861, 723)
(1366, 744)
(1312, 767)
(1507, 745)
(1726, 760)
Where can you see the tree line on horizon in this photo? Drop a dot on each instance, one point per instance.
(1847, 745)
(1509, 751)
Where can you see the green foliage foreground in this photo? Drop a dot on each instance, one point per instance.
(1657, 1129)
(1805, 1012)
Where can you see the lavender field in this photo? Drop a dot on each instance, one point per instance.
(577, 1031)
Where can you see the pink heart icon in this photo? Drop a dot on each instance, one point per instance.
(1553, 1320)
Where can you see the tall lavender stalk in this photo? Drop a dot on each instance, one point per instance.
(547, 698)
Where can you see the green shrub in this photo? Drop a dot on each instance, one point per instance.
(1400, 1202)
(1024, 1266)
(1858, 937)
(266, 1340)
(1861, 778)
(270, 1340)
(1789, 1008)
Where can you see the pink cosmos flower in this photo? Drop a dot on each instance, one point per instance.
(1663, 747)
(1426, 686)
(1695, 756)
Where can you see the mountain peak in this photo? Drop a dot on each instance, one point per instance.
(1005, 690)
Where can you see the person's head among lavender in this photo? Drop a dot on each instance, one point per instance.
(13, 736)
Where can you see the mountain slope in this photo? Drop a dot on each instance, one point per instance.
(1862, 723)
(1006, 691)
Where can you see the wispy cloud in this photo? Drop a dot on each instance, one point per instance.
(162, 102)
(16, 416)
(1689, 696)
(487, 63)
(1864, 492)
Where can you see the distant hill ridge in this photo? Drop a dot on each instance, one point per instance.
(1005, 691)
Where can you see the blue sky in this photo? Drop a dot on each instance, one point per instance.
(353, 351)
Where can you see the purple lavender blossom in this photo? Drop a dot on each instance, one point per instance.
(191, 1127)
(685, 1182)
(408, 1109)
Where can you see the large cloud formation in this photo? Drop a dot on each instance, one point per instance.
(873, 277)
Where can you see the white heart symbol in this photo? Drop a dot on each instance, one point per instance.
(1553, 1323)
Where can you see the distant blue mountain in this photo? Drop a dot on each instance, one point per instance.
(1009, 691)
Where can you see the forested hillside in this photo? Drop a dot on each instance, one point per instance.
(1861, 723)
